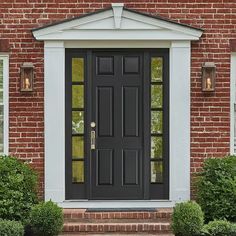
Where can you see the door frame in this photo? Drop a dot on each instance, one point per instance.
(150, 191)
(179, 146)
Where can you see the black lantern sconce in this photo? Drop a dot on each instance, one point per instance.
(208, 77)
(26, 77)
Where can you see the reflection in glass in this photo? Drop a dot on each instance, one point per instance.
(1, 74)
(77, 69)
(77, 147)
(156, 147)
(1, 128)
(77, 122)
(156, 69)
(156, 96)
(156, 172)
(78, 171)
(156, 122)
(77, 96)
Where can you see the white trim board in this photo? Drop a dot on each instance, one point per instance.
(5, 58)
(117, 204)
(232, 102)
(56, 42)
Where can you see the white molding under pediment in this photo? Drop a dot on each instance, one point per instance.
(117, 23)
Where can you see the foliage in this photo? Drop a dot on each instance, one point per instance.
(17, 189)
(217, 189)
(187, 219)
(220, 228)
(11, 228)
(46, 219)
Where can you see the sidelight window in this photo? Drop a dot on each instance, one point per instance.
(77, 120)
(156, 120)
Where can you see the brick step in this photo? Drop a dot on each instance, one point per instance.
(121, 221)
(153, 227)
(112, 234)
(164, 213)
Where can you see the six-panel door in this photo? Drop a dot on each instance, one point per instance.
(117, 110)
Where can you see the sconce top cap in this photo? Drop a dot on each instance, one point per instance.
(209, 64)
(27, 65)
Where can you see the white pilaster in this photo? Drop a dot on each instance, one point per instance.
(180, 120)
(54, 82)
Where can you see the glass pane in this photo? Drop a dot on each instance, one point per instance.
(1, 128)
(1, 74)
(77, 147)
(78, 171)
(156, 122)
(77, 122)
(156, 147)
(156, 96)
(77, 96)
(77, 69)
(156, 69)
(156, 172)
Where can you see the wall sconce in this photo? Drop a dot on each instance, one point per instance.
(208, 77)
(26, 77)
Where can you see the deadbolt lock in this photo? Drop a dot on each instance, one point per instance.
(93, 124)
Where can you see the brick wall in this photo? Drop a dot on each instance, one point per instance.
(210, 113)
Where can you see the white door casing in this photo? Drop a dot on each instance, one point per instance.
(117, 27)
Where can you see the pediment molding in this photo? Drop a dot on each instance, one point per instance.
(117, 23)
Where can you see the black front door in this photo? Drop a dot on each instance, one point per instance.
(117, 110)
(117, 124)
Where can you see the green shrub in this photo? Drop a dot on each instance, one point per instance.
(217, 189)
(17, 189)
(187, 219)
(220, 228)
(46, 219)
(11, 228)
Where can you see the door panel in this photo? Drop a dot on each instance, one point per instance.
(130, 111)
(105, 167)
(105, 111)
(131, 160)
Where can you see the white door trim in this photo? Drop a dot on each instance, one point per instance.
(179, 126)
(232, 102)
(5, 58)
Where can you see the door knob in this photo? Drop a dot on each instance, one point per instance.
(93, 124)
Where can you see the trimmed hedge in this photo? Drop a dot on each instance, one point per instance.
(219, 228)
(217, 189)
(187, 219)
(11, 228)
(46, 219)
(18, 184)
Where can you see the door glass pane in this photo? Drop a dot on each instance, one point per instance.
(1, 108)
(77, 122)
(78, 171)
(156, 96)
(156, 122)
(156, 147)
(77, 147)
(156, 172)
(1, 74)
(156, 69)
(77, 69)
(1, 128)
(77, 96)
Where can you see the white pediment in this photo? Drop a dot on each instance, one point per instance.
(117, 23)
